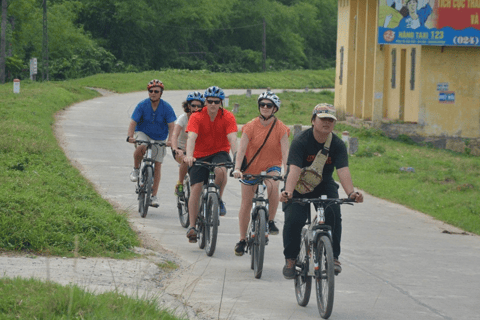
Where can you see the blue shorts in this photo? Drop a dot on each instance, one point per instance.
(253, 182)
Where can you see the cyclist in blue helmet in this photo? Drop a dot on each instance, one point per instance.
(195, 102)
(211, 135)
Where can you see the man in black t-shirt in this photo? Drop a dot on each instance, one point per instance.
(303, 151)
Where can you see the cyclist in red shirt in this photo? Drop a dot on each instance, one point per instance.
(212, 133)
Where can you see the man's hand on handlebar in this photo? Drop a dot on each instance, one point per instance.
(285, 196)
(189, 160)
(357, 196)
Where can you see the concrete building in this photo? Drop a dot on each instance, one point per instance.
(429, 92)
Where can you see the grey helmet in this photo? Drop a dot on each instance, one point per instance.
(269, 95)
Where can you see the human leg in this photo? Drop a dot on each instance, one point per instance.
(295, 217)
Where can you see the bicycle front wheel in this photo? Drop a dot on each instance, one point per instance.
(201, 224)
(324, 276)
(211, 223)
(303, 282)
(182, 203)
(145, 192)
(259, 242)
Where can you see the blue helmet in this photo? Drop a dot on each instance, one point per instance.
(215, 92)
(195, 95)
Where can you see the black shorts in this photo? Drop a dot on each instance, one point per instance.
(200, 174)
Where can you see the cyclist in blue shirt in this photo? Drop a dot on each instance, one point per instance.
(152, 120)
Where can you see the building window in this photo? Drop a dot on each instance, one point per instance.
(394, 68)
(412, 71)
(341, 65)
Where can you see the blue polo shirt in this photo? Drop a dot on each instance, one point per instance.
(153, 124)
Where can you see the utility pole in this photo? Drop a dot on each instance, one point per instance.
(264, 45)
(3, 41)
(45, 43)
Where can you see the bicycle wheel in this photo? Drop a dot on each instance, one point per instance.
(251, 239)
(303, 282)
(259, 242)
(201, 224)
(324, 276)
(182, 203)
(146, 191)
(211, 223)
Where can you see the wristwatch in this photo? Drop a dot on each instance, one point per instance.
(128, 137)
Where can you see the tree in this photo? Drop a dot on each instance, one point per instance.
(3, 41)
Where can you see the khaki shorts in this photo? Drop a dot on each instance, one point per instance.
(158, 153)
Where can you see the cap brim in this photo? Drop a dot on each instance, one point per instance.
(326, 115)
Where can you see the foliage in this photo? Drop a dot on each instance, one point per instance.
(26, 299)
(100, 36)
(44, 201)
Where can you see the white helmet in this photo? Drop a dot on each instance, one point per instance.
(269, 95)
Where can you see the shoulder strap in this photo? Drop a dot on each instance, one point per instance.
(258, 151)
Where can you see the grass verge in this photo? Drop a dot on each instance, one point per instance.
(26, 299)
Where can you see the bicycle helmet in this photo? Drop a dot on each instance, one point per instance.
(215, 92)
(155, 83)
(269, 95)
(195, 95)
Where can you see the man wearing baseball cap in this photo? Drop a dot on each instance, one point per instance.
(314, 154)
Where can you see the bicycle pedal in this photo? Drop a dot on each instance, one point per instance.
(154, 205)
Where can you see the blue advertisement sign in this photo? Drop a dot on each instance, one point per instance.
(446, 97)
(429, 22)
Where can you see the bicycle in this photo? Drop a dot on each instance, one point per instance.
(208, 216)
(145, 179)
(182, 203)
(257, 232)
(315, 258)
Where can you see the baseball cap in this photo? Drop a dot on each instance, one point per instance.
(325, 110)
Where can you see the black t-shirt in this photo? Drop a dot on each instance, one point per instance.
(304, 149)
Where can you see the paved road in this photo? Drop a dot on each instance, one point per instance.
(397, 263)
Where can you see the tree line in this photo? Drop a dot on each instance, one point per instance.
(101, 36)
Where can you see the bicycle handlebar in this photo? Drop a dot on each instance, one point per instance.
(261, 177)
(160, 144)
(210, 165)
(324, 201)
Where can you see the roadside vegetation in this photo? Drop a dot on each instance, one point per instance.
(26, 299)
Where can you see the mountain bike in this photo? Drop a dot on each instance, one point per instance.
(208, 216)
(145, 179)
(257, 232)
(182, 202)
(315, 258)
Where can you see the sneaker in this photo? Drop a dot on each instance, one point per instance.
(289, 269)
(192, 235)
(179, 189)
(223, 210)
(154, 201)
(134, 175)
(337, 267)
(272, 228)
(240, 247)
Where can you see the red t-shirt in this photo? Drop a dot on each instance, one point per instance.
(271, 153)
(212, 135)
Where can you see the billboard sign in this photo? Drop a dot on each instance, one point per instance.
(429, 22)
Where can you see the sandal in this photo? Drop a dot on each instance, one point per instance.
(337, 267)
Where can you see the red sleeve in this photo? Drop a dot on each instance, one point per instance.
(231, 123)
(193, 123)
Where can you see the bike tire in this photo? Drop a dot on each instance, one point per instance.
(251, 239)
(259, 243)
(182, 203)
(201, 224)
(303, 282)
(211, 223)
(146, 192)
(324, 276)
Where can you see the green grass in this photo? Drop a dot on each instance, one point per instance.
(34, 299)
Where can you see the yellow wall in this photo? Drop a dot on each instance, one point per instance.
(460, 68)
(366, 89)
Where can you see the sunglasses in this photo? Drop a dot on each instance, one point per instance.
(152, 91)
(196, 106)
(266, 105)
(214, 101)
